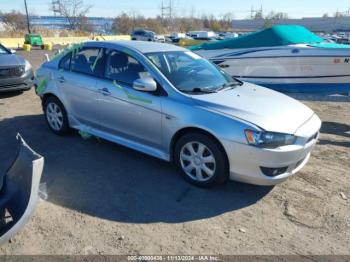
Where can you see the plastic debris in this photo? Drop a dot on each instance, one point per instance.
(85, 135)
(343, 196)
(242, 230)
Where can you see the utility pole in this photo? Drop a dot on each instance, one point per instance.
(162, 8)
(55, 7)
(167, 12)
(170, 9)
(28, 23)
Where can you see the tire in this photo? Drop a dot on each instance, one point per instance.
(53, 104)
(185, 160)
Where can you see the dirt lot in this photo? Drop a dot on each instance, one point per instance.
(106, 199)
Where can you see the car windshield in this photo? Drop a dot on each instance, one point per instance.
(189, 72)
(3, 50)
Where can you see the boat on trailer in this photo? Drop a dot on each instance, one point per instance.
(285, 58)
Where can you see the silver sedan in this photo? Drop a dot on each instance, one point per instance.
(170, 103)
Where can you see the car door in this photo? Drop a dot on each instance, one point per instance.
(77, 81)
(125, 112)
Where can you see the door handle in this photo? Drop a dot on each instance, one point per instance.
(61, 79)
(104, 91)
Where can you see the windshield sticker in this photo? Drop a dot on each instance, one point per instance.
(131, 97)
(193, 55)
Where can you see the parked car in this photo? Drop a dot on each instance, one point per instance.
(176, 37)
(168, 102)
(145, 35)
(19, 191)
(15, 72)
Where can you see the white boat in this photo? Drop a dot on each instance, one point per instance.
(284, 58)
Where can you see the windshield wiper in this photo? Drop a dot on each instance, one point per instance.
(230, 85)
(199, 90)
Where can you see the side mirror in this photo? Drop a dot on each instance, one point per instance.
(13, 51)
(145, 84)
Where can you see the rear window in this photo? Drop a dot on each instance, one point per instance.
(65, 62)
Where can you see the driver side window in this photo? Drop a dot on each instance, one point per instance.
(124, 68)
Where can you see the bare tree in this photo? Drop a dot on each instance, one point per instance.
(277, 15)
(14, 21)
(339, 14)
(123, 24)
(226, 20)
(73, 10)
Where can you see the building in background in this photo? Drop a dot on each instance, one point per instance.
(97, 24)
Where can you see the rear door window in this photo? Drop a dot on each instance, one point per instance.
(89, 60)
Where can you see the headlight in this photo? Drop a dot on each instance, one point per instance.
(27, 66)
(268, 139)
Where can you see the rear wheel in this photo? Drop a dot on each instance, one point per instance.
(56, 116)
(201, 160)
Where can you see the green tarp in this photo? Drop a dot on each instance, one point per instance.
(277, 35)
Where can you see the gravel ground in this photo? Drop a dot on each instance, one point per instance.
(107, 199)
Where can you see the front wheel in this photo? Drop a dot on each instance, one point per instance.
(201, 160)
(56, 116)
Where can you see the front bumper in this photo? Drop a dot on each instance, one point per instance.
(247, 163)
(25, 82)
(19, 191)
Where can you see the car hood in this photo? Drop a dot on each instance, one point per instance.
(10, 60)
(268, 109)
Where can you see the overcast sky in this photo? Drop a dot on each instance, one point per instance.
(151, 8)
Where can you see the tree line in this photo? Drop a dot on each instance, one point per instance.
(75, 12)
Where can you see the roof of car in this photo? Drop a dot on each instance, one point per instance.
(141, 46)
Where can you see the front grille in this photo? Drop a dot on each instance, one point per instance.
(11, 72)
